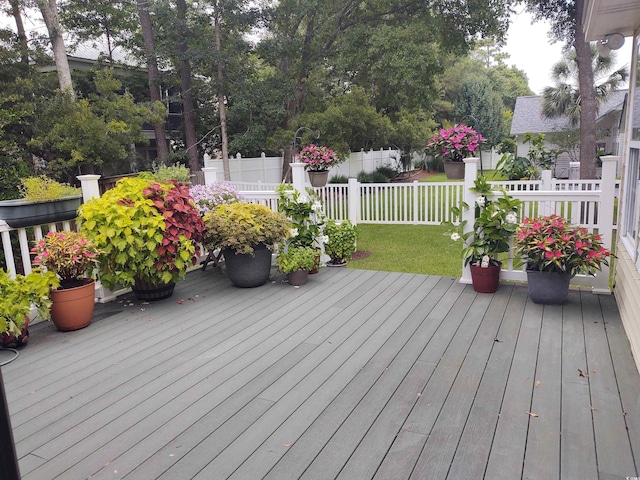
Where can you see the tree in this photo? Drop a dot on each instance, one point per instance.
(154, 74)
(49, 10)
(478, 100)
(566, 25)
(565, 99)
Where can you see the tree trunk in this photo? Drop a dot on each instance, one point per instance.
(588, 103)
(153, 74)
(188, 105)
(49, 11)
(222, 110)
(22, 35)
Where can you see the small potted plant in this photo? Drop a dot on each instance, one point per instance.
(306, 213)
(340, 242)
(453, 145)
(72, 257)
(318, 160)
(495, 222)
(17, 295)
(208, 197)
(246, 233)
(296, 261)
(147, 233)
(553, 252)
(43, 201)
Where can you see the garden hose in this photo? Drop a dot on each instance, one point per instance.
(16, 352)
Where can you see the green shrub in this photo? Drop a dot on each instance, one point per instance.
(341, 243)
(297, 258)
(38, 189)
(339, 179)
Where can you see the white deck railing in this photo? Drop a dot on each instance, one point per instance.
(588, 203)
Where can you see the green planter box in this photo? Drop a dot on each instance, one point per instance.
(20, 213)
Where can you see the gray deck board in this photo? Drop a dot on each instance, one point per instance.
(356, 375)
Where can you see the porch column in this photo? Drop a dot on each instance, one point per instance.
(298, 177)
(469, 197)
(210, 175)
(90, 186)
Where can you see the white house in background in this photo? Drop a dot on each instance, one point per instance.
(528, 117)
(603, 18)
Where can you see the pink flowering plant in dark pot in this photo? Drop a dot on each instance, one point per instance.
(551, 244)
(318, 158)
(455, 143)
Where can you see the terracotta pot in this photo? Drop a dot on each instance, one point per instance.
(486, 280)
(318, 178)
(72, 308)
(454, 170)
(297, 278)
(147, 291)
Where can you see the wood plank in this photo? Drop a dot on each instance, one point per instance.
(473, 450)
(508, 448)
(613, 446)
(444, 437)
(542, 456)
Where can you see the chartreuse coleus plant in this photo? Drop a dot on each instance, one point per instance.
(38, 189)
(19, 293)
(241, 226)
(144, 229)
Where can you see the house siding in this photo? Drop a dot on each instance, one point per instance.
(627, 293)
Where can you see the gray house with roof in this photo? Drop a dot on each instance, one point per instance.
(528, 117)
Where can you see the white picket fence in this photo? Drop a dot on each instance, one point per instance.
(588, 203)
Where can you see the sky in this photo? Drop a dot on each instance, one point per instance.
(530, 50)
(527, 44)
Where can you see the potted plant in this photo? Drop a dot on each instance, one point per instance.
(495, 222)
(554, 252)
(17, 295)
(43, 201)
(246, 234)
(147, 233)
(307, 218)
(340, 242)
(296, 261)
(72, 257)
(318, 160)
(453, 145)
(208, 197)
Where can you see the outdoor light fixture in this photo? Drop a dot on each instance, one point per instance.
(611, 41)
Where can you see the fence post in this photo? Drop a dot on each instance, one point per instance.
(469, 197)
(90, 186)
(297, 176)
(416, 213)
(545, 208)
(605, 217)
(353, 197)
(210, 175)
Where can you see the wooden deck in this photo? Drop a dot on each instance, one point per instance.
(356, 375)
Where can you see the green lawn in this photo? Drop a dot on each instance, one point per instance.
(491, 175)
(409, 249)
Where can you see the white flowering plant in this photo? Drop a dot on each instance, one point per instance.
(495, 222)
(306, 213)
(208, 197)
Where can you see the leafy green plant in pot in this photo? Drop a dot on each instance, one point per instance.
(147, 233)
(44, 200)
(495, 222)
(246, 233)
(296, 261)
(553, 252)
(72, 257)
(16, 297)
(340, 241)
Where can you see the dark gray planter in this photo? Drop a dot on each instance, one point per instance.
(248, 271)
(20, 213)
(454, 170)
(298, 278)
(548, 288)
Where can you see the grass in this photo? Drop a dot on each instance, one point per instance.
(491, 175)
(408, 249)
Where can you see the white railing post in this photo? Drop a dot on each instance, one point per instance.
(90, 186)
(469, 197)
(353, 196)
(605, 217)
(546, 185)
(298, 176)
(210, 175)
(416, 192)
